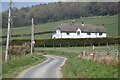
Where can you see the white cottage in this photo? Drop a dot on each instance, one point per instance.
(75, 30)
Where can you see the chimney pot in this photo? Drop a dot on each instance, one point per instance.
(82, 22)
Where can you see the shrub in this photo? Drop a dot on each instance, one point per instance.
(69, 42)
(20, 49)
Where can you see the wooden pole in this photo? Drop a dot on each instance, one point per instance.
(93, 57)
(8, 31)
(32, 37)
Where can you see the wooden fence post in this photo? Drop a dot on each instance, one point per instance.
(81, 55)
(60, 45)
(53, 45)
(76, 45)
(44, 45)
(68, 45)
(84, 53)
(108, 52)
(107, 44)
(3, 57)
(93, 55)
(107, 60)
(91, 44)
(84, 45)
(99, 44)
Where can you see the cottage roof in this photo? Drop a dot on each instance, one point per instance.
(72, 27)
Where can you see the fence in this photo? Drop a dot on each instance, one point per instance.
(107, 57)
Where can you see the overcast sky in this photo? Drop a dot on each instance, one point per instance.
(23, 3)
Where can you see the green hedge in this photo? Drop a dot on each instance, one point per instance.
(69, 42)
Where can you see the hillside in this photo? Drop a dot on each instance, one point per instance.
(110, 22)
(51, 12)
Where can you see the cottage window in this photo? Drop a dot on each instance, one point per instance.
(96, 34)
(88, 33)
(78, 32)
(100, 33)
(67, 33)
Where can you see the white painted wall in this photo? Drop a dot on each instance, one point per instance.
(82, 35)
(58, 34)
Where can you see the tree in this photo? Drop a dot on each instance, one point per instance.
(44, 13)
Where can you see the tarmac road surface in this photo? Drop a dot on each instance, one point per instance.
(48, 69)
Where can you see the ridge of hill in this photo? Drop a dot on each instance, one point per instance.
(51, 12)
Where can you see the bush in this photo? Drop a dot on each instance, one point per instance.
(69, 42)
(20, 49)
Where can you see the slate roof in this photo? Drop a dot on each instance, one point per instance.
(72, 27)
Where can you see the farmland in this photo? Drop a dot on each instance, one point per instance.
(76, 67)
(80, 49)
(110, 22)
(81, 58)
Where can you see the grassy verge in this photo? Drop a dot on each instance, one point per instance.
(79, 68)
(13, 67)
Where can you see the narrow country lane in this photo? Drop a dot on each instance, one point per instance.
(48, 69)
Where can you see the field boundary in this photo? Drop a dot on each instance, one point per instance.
(68, 42)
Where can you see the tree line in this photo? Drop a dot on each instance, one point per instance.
(44, 13)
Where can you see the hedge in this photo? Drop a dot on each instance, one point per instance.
(37, 33)
(68, 42)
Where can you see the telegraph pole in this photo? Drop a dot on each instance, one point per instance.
(32, 36)
(8, 31)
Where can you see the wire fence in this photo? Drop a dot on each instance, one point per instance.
(107, 56)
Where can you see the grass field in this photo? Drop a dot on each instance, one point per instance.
(80, 49)
(110, 22)
(74, 67)
(80, 68)
(43, 36)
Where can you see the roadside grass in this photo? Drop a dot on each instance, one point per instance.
(110, 22)
(80, 68)
(75, 67)
(12, 68)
